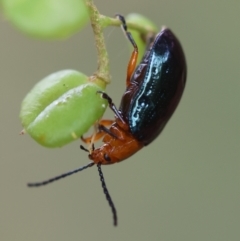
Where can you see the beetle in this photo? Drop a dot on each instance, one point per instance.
(154, 89)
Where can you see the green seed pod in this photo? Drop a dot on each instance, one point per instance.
(61, 108)
(47, 19)
(140, 38)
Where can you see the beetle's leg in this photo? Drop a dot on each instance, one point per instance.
(106, 130)
(133, 60)
(105, 122)
(111, 105)
(100, 132)
(89, 139)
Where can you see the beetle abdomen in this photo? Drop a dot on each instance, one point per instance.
(157, 92)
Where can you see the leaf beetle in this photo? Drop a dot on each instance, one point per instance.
(154, 89)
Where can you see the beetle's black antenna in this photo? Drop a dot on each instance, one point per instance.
(38, 184)
(108, 197)
(83, 148)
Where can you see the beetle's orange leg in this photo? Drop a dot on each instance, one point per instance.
(106, 130)
(132, 64)
(93, 137)
(133, 60)
(105, 122)
(100, 132)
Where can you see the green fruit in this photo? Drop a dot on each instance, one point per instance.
(49, 19)
(61, 108)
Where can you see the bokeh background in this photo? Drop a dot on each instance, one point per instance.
(184, 186)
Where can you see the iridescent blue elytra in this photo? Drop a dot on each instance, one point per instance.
(155, 88)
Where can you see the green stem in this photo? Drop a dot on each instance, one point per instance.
(103, 59)
(144, 29)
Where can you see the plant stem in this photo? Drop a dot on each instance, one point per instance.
(144, 29)
(102, 55)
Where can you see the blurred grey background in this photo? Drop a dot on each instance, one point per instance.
(184, 186)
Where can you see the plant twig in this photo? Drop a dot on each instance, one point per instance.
(103, 59)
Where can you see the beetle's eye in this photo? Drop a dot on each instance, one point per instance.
(107, 158)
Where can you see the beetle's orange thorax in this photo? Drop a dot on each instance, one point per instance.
(116, 149)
